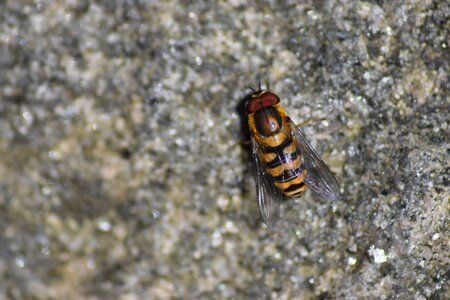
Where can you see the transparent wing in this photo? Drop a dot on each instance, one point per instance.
(269, 197)
(319, 177)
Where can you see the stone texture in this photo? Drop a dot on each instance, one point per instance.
(123, 176)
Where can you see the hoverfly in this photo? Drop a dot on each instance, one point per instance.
(285, 163)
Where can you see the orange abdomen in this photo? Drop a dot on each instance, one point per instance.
(282, 160)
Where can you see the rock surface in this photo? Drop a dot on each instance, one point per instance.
(123, 176)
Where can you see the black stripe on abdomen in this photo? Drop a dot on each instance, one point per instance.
(294, 187)
(297, 194)
(279, 148)
(282, 159)
(287, 175)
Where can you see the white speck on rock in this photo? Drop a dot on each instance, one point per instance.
(104, 225)
(351, 261)
(20, 261)
(379, 256)
(435, 236)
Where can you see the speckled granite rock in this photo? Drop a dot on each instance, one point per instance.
(123, 177)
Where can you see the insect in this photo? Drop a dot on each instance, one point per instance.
(285, 163)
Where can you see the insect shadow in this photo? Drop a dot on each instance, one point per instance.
(241, 110)
(247, 185)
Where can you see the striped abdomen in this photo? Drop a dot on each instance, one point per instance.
(284, 164)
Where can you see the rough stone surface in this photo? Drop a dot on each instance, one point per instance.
(122, 175)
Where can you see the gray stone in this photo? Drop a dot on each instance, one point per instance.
(123, 175)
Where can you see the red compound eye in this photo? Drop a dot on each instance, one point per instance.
(266, 99)
(253, 105)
